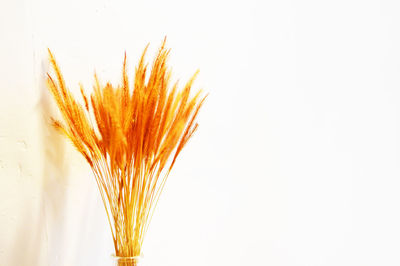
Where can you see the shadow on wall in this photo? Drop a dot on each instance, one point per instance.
(45, 235)
(55, 174)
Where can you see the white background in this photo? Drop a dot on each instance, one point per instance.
(296, 160)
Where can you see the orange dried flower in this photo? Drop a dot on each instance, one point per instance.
(130, 138)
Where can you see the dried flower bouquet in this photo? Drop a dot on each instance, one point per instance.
(130, 138)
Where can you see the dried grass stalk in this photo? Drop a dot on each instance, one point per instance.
(130, 138)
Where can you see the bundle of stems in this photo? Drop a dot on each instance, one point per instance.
(130, 138)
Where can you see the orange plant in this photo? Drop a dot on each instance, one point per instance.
(130, 138)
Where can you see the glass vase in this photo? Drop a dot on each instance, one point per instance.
(127, 261)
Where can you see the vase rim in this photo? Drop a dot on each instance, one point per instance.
(128, 257)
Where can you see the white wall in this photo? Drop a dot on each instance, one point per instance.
(296, 161)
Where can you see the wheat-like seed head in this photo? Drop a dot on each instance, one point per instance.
(130, 138)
